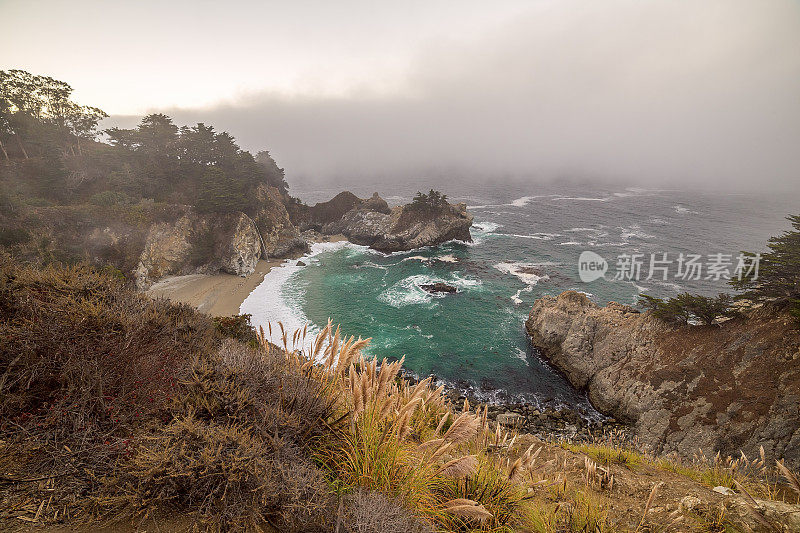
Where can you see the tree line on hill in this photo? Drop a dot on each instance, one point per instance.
(57, 154)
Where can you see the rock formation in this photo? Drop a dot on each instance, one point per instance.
(319, 215)
(439, 287)
(243, 249)
(281, 237)
(166, 250)
(199, 243)
(316, 216)
(720, 388)
(403, 227)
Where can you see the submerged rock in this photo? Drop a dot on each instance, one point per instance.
(439, 287)
(725, 388)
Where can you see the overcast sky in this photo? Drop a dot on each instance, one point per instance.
(690, 93)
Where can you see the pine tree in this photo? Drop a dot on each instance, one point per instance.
(778, 277)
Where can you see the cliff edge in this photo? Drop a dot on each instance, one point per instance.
(723, 388)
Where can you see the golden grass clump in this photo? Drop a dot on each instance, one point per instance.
(610, 448)
(578, 511)
(405, 440)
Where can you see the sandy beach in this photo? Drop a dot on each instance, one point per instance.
(217, 294)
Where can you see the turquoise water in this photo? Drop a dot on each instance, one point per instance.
(525, 247)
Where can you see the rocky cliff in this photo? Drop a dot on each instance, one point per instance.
(281, 237)
(372, 224)
(209, 243)
(314, 217)
(148, 240)
(720, 388)
(199, 243)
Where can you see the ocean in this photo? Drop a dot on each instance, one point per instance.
(527, 242)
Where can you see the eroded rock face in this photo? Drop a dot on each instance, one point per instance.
(728, 388)
(199, 243)
(166, 251)
(281, 238)
(403, 228)
(243, 250)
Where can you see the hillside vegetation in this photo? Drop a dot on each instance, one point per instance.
(69, 194)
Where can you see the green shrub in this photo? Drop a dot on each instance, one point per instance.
(220, 193)
(777, 280)
(491, 487)
(203, 242)
(685, 306)
(107, 198)
(14, 236)
(433, 201)
(236, 327)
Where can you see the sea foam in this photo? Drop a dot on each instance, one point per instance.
(519, 270)
(277, 300)
(409, 291)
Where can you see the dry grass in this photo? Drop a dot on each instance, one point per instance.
(372, 512)
(608, 453)
(226, 477)
(614, 447)
(405, 441)
(757, 476)
(83, 357)
(574, 511)
(84, 363)
(236, 454)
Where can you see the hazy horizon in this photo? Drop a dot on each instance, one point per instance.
(659, 94)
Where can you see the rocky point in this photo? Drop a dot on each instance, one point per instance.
(730, 387)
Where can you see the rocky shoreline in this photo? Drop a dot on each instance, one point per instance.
(549, 420)
(730, 388)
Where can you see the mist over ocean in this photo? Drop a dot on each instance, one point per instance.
(527, 239)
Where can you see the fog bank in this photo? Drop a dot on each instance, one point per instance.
(677, 93)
